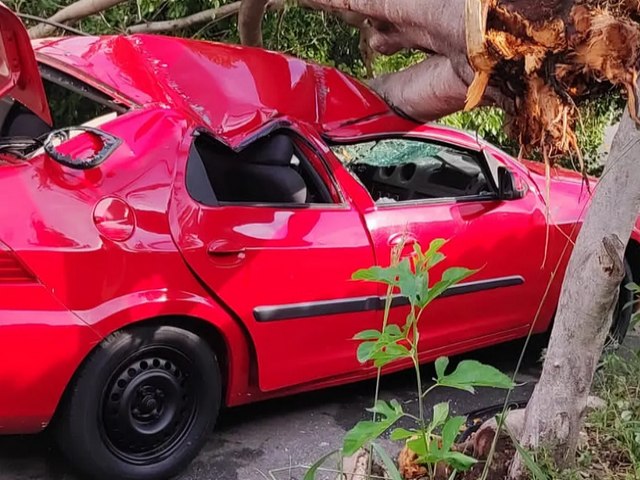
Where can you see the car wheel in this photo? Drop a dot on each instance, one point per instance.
(622, 313)
(142, 405)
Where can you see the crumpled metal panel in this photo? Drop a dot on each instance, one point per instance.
(233, 90)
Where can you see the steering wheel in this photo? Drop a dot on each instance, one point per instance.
(476, 185)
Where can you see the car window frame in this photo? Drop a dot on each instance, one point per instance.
(337, 200)
(476, 154)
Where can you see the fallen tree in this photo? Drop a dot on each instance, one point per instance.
(536, 60)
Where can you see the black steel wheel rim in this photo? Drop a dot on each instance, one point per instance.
(149, 405)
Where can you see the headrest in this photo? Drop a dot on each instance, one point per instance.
(273, 150)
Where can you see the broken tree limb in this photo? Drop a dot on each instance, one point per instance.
(60, 26)
(72, 14)
(205, 16)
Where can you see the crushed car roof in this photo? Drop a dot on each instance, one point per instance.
(231, 89)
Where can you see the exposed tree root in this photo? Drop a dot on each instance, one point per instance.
(536, 59)
(561, 52)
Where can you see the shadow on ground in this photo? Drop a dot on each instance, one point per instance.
(285, 432)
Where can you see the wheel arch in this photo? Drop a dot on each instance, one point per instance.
(225, 335)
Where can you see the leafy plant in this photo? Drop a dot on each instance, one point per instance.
(635, 288)
(433, 442)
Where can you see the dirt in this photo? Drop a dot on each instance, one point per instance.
(499, 467)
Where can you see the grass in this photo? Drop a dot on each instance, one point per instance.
(610, 447)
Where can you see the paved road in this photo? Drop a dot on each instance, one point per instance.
(279, 433)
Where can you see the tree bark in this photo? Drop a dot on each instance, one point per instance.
(250, 21)
(210, 15)
(71, 14)
(556, 410)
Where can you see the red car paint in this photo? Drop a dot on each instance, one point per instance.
(88, 252)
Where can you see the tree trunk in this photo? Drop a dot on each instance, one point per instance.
(556, 411)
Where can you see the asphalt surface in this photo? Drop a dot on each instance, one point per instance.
(253, 442)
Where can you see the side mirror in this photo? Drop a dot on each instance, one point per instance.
(506, 185)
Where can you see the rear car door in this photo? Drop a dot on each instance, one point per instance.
(422, 190)
(268, 233)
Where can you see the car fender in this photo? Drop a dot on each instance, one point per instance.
(171, 306)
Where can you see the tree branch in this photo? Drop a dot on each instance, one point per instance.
(210, 15)
(441, 21)
(72, 14)
(61, 26)
(250, 21)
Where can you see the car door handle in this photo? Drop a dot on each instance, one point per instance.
(222, 248)
(398, 238)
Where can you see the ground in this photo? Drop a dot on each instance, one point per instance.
(279, 433)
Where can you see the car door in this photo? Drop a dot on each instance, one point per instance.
(422, 190)
(19, 75)
(282, 265)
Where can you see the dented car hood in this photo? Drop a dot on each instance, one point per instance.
(232, 90)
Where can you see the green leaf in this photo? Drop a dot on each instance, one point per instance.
(418, 446)
(459, 461)
(387, 409)
(389, 352)
(365, 351)
(450, 277)
(435, 259)
(409, 283)
(455, 275)
(393, 330)
(311, 473)
(471, 373)
(367, 335)
(440, 414)
(368, 430)
(433, 255)
(450, 431)
(441, 365)
(402, 434)
(386, 275)
(386, 459)
(528, 460)
(634, 287)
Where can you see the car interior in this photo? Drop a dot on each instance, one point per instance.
(71, 103)
(271, 170)
(396, 170)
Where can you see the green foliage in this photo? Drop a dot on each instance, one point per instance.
(635, 288)
(610, 449)
(469, 374)
(313, 469)
(386, 460)
(368, 430)
(488, 123)
(325, 39)
(432, 441)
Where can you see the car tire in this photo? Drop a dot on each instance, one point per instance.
(622, 313)
(142, 405)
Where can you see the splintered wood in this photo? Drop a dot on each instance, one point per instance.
(549, 55)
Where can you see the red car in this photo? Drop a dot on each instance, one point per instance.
(187, 219)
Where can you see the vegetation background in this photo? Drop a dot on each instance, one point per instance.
(325, 39)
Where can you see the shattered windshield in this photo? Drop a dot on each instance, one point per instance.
(386, 153)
